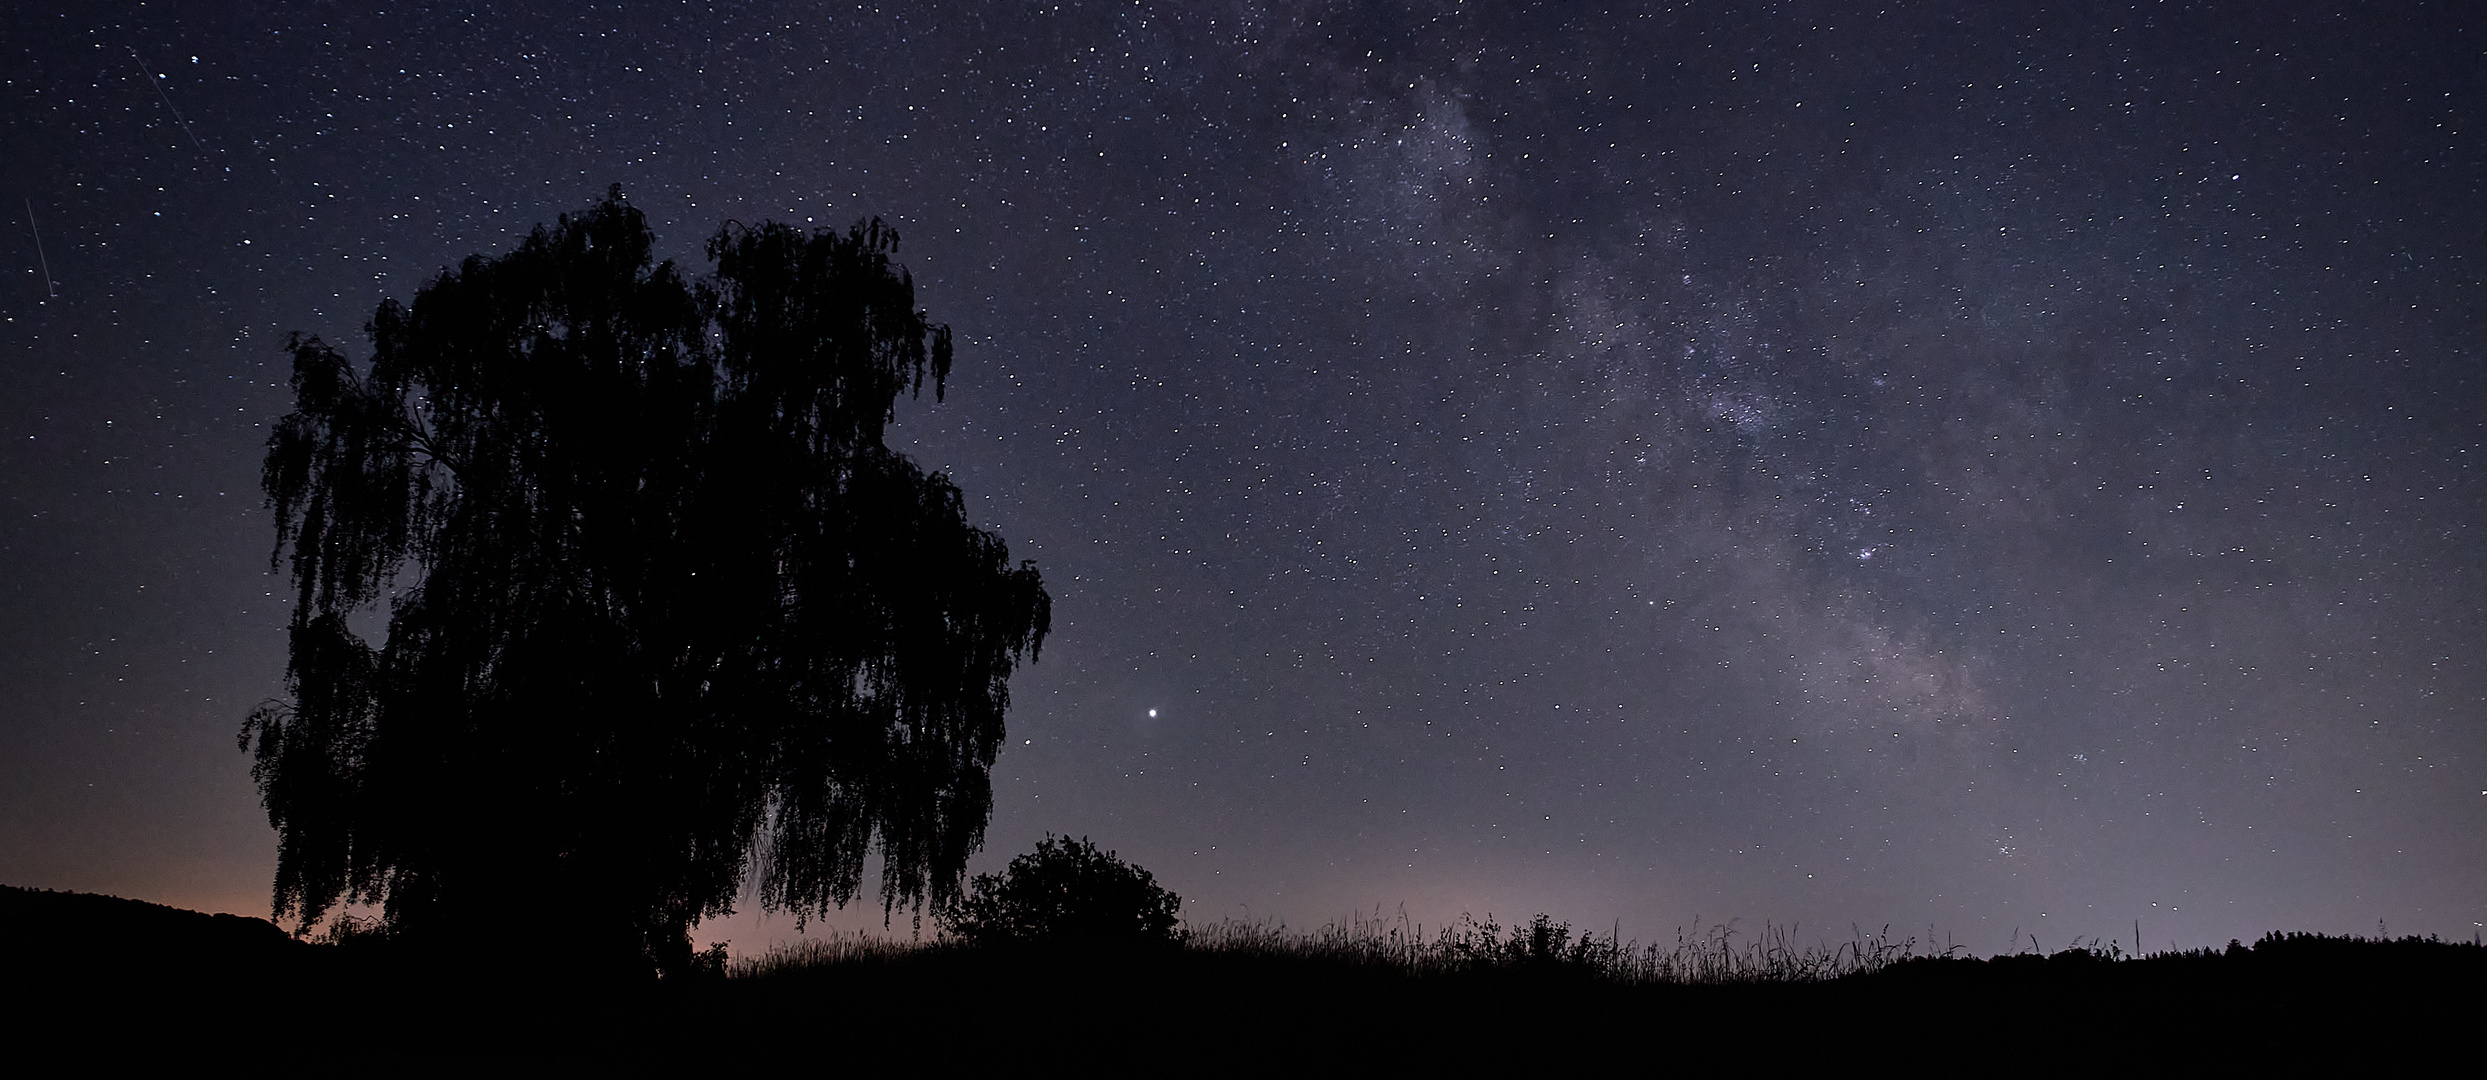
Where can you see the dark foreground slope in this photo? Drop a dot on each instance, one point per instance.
(112, 985)
(104, 985)
(2291, 1003)
(64, 930)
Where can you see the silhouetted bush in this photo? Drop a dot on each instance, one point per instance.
(1065, 890)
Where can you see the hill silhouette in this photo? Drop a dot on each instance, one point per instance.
(91, 935)
(119, 984)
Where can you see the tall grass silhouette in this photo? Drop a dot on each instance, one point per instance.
(1721, 954)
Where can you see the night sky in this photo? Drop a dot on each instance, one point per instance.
(1961, 467)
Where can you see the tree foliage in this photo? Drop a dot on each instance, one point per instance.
(1065, 890)
(662, 606)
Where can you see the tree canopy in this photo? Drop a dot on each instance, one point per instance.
(662, 607)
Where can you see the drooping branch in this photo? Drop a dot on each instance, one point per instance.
(679, 613)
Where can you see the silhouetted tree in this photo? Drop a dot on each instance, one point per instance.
(1065, 890)
(663, 606)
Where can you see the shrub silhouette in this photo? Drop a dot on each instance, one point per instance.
(1065, 890)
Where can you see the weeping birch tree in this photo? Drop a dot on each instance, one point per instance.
(664, 614)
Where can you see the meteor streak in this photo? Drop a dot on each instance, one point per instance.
(167, 98)
(49, 293)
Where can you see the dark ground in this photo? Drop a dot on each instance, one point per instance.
(101, 984)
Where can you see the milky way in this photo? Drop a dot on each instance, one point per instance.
(1984, 473)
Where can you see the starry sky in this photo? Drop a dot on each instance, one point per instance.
(1978, 469)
